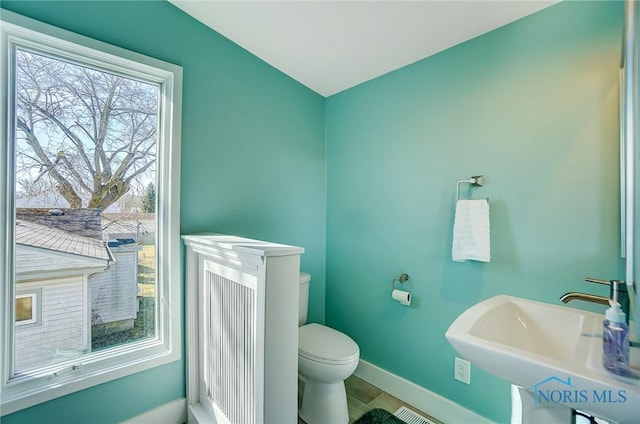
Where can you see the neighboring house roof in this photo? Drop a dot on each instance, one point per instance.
(128, 223)
(42, 251)
(35, 235)
(51, 200)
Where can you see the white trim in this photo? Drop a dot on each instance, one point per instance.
(432, 403)
(46, 383)
(174, 412)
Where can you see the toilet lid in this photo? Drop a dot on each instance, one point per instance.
(323, 344)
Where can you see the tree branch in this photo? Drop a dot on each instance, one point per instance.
(65, 188)
(74, 138)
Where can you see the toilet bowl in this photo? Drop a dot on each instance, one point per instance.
(326, 357)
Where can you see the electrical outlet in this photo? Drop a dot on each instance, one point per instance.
(462, 371)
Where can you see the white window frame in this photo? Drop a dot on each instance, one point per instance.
(35, 311)
(46, 383)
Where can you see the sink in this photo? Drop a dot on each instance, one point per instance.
(521, 325)
(552, 352)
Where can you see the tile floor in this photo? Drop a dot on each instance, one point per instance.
(363, 397)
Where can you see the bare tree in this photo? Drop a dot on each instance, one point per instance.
(89, 133)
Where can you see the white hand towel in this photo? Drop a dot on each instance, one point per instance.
(471, 240)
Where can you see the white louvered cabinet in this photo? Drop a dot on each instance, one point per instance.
(242, 330)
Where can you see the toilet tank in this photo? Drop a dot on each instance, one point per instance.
(303, 298)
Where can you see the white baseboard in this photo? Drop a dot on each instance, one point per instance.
(432, 403)
(174, 412)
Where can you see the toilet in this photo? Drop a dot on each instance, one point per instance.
(326, 357)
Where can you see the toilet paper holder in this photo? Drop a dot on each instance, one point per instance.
(401, 279)
(404, 297)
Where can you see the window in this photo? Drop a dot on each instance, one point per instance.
(90, 177)
(26, 309)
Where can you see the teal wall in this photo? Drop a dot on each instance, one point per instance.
(253, 164)
(532, 106)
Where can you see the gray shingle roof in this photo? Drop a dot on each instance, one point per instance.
(35, 235)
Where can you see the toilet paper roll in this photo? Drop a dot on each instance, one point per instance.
(402, 296)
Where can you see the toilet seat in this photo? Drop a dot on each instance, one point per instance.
(323, 344)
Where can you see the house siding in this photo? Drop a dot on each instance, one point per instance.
(114, 292)
(62, 331)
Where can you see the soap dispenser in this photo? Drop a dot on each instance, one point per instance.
(615, 340)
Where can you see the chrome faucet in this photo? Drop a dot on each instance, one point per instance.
(617, 291)
(592, 298)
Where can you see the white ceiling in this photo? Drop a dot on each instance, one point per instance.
(330, 46)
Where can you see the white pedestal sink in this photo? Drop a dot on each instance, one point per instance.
(552, 354)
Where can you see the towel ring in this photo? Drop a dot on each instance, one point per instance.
(475, 181)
